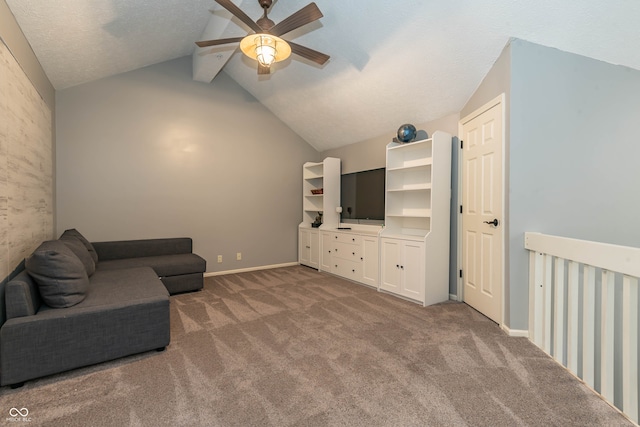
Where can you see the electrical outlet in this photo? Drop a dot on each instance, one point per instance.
(219, 258)
(239, 256)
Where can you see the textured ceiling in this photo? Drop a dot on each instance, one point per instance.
(391, 62)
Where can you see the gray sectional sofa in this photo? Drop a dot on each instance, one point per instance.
(77, 303)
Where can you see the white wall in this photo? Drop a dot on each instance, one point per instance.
(151, 153)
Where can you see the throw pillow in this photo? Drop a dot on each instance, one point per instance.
(75, 233)
(81, 252)
(60, 275)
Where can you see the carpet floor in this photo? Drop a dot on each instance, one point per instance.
(295, 347)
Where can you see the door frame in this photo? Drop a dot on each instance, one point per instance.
(500, 99)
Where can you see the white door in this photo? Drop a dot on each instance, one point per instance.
(482, 210)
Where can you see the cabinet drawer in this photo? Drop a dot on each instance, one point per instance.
(348, 269)
(347, 238)
(347, 251)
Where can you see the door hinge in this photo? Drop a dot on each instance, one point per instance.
(461, 144)
(460, 208)
(461, 274)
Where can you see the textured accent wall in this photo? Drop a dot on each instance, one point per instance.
(26, 165)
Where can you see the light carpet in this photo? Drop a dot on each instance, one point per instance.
(295, 347)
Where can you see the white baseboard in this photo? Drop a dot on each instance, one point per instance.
(244, 270)
(515, 332)
(453, 297)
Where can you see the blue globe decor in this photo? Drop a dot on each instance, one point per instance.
(406, 133)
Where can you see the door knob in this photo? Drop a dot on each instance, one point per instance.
(494, 222)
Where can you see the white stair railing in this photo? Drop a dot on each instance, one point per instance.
(572, 285)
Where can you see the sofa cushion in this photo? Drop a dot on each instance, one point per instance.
(164, 265)
(61, 277)
(111, 289)
(75, 233)
(81, 252)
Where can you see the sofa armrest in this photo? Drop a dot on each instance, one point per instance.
(123, 249)
(22, 297)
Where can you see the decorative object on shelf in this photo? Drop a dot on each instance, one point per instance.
(317, 191)
(406, 133)
(318, 222)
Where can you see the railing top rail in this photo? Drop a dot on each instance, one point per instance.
(622, 259)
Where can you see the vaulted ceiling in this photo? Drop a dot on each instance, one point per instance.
(391, 62)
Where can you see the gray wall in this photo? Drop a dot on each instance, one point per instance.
(151, 153)
(574, 167)
(371, 154)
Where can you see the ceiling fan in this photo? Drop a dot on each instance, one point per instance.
(265, 44)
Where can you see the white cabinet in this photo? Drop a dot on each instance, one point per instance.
(403, 268)
(415, 240)
(350, 255)
(320, 194)
(308, 247)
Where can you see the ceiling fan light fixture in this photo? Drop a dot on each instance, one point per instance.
(265, 48)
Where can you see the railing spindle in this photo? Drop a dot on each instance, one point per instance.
(607, 335)
(589, 325)
(572, 316)
(548, 311)
(630, 347)
(559, 319)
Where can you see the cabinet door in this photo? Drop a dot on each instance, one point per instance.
(314, 251)
(412, 267)
(326, 242)
(304, 247)
(391, 273)
(370, 261)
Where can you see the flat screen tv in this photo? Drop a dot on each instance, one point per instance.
(362, 197)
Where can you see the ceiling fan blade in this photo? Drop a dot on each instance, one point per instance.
(263, 70)
(238, 13)
(310, 54)
(307, 14)
(219, 41)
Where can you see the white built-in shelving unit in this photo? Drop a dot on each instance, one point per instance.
(414, 244)
(323, 175)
